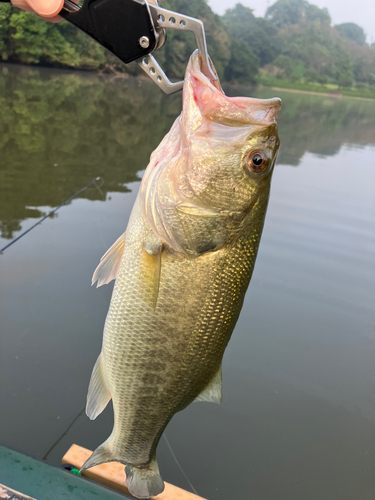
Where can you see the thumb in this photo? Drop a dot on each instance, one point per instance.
(46, 8)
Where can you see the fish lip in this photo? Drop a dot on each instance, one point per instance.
(272, 101)
(251, 110)
(272, 105)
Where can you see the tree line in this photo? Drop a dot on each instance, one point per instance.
(294, 42)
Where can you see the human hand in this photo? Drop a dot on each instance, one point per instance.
(47, 9)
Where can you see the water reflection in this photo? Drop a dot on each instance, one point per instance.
(67, 128)
(318, 124)
(298, 413)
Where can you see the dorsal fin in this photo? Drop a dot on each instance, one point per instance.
(109, 264)
(212, 392)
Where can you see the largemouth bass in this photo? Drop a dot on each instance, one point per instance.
(182, 271)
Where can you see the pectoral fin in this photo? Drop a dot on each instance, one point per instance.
(109, 264)
(98, 395)
(152, 258)
(212, 392)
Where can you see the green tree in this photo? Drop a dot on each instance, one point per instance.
(363, 58)
(294, 41)
(284, 63)
(174, 56)
(353, 32)
(243, 66)
(286, 12)
(5, 12)
(345, 75)
(256, 32)
(34, 41)
(317, 45)
(290, 68)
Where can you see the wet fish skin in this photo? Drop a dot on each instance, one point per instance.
(182, 272)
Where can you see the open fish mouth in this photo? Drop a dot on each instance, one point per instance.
(216, 106)
(211, 127)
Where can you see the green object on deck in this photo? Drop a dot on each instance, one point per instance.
(45, 482)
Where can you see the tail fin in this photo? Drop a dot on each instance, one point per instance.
(144, 481)
(101, 455)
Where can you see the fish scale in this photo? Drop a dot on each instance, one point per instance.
(222, 291)
(182, 272)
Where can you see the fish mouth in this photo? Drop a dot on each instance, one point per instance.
(214, 105)
(265, 111)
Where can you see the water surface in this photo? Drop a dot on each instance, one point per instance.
(298, 414)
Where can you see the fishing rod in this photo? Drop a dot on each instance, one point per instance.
(94, 181)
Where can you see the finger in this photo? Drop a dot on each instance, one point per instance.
(46, 8)
(22, 4)
(55, 19)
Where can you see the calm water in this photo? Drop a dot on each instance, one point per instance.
(298, 416)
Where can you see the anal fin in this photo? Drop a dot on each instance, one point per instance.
(212, 392)
(98, 395)
(109, 264)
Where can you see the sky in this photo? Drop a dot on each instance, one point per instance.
(361, 12)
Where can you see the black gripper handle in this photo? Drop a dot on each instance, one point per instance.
(118, 25)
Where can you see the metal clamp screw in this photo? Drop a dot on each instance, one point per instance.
(144, 42)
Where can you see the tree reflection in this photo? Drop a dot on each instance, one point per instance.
(59, 130)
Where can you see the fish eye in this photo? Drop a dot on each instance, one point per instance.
(258, 161)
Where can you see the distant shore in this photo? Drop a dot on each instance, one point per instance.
(314, 88)
(271, 83)
(310, 92)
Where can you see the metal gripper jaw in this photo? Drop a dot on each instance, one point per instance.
(133, 30)
(166, 19)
